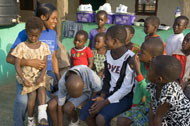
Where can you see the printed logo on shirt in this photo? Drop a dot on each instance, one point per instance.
(114, 68)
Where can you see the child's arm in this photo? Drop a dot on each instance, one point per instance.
(38, 64)
(160, 112)
(55, 65)
(43, 71)
(90, 62)
(19, 72)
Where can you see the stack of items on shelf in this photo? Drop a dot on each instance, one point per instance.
(85, 14)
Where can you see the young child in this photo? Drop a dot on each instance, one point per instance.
(76, 86)
(101, 20)
(175, 40)
(183, 55)
(130, 33)
(81, 54)
(33, 79)
(138, 114)
(99, 54)
(117, 92)
(151, 25)
(169, 105)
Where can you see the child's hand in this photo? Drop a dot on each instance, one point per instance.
(98, 106)
(39, 80)
(101, 74)
(27, 83)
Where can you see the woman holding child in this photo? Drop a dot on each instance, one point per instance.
(48, 14)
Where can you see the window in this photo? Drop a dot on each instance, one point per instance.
(146, 7)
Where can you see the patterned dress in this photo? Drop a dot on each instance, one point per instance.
(22, 51)
(98, 61)
(179, 113)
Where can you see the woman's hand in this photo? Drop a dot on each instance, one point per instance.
(38, 64)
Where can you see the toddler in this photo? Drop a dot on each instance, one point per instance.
(101, 20)
(33, 79)
(175, 40)
(99, 54)
(81, 54)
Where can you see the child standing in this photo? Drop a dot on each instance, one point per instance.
(151, 25)
(81, 54)
(130, 33)
(169, 107)
(76, 86)
(31, 78)
(183, 55)
(174, 41)
(138, 114)
(101, 20)
(99, 54)
(116, 95)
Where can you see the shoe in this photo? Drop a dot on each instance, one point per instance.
(31, 121)
(74, 123)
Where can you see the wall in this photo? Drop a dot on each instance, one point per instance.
(25, 13)
(166, 9)
(7, 37)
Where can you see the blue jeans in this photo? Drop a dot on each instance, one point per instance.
(20, 104)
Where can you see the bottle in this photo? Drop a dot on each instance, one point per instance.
(178, 12)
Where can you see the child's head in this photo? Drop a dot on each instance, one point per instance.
(150, 48)
(151, 25)
(130, 32)
(48, 14)
(186, 43)
(101, 18)
(164, 69)
(99, 40)
(74, 84)
(115, 37)
(180, 24)
(33, 27)
(80, 39)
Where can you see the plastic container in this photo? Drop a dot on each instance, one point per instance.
(178, 12)
(125, 19)
(110, 18)
(85, 17)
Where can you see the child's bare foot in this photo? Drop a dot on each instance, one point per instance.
(43, 122)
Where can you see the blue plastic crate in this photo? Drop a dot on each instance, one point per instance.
(84, 17)
(125, 19)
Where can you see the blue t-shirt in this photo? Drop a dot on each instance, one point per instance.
(92, 36)
(47, 36)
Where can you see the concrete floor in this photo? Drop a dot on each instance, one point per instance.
(7, 96)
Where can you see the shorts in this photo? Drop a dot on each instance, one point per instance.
(109, 111)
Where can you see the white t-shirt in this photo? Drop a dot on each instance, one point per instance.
(174, 42)
(114, 67)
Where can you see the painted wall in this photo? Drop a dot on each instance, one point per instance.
(7, 38)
